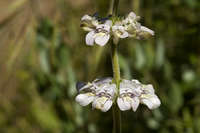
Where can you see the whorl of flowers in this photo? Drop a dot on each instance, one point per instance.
(102, 29)
(102, 93)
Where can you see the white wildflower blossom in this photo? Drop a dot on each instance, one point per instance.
(100, 93)
(134, 28)
(129, 95)
(87, 93)
(104, 97)
(119, 32)
(133, 92)
(100, 35)
(144, 33)
(149, 98)
(89, 23)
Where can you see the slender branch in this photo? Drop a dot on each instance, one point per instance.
(116, 75)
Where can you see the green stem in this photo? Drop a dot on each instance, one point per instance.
(116, 76)
(115, 63)
(116, 119)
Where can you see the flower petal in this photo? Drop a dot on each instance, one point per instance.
(88, 23)
(90, 38)
(144, 33)
(102, 38)
(148, 89)
(145, 29)
(152, 102)
(86, 18)
(107, 106)
(124, 35)
(101, 103)
(100, 81)
(135, 81)
(132, 15)
(135, 103)
(84, 99)
(121, 105)
(119, 31)
(108, 22)
(86, 28)
(124, 103)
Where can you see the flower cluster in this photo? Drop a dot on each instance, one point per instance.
(100, 93)
(103, 92)
(101, 29)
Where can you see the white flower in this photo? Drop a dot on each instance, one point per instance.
(149, 98)
(100, 35)
(133, 92)
(119, 32)
(100, 93)
(128, 95)
(85, 99)
(104, 97)
(134, 28)
(89, 23)
(144, 33)
(87, 93)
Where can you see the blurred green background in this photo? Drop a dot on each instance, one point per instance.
(43, 54)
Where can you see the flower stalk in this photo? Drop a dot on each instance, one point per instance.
(116, 76)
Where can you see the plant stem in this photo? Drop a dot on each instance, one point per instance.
(116, 75)
(115, 63)
(116, 119)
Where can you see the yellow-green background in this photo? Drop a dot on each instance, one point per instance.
(43, 54)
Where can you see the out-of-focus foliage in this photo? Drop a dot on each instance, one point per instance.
(43, 54)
